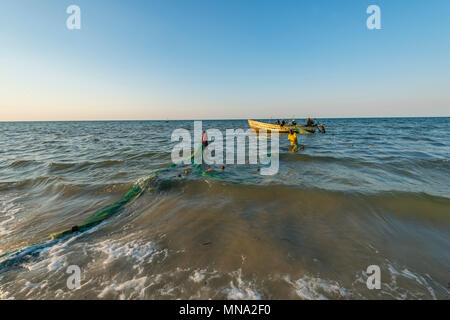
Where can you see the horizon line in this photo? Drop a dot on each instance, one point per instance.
(224, 119)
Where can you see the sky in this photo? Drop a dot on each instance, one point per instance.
(223, 59)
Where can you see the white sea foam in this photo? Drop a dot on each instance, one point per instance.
(135, 288)
(139, 253)
(198, 275)
(8, 210)
(240, 289)
(313, 288)
(5, 295)
(26, 289)
(115, 249)
(54, 257)
(392, 275)
(407, 274)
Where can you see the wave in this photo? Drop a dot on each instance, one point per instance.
(79, 166)
(149, 155)
(23, 163)
(8, 210)
(399, 164)
(27, 183)
(409, 205)
(299, 157)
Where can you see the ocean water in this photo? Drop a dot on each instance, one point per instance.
(368, 192)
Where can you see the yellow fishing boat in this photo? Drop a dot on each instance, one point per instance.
(258, 125)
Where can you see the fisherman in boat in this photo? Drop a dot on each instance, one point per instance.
(309, 122)
(294, 123)
(283, 123)
(277, 122)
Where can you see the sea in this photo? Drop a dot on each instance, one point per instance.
(367, 200)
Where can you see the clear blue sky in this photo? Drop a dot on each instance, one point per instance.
(188, 59)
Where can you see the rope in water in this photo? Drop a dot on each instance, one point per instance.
(134, 193)
(98, 217)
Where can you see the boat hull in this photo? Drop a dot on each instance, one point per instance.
(258, 125)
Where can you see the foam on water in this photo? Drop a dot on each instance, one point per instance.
(198, 275)
(116, 249)
(399, 282)
(241, 289)
(8, 210)
(314, 288)
(131, 289)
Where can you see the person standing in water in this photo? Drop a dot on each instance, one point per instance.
(294, 142)
(292, 137)
(322, 128)
(204, 140)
